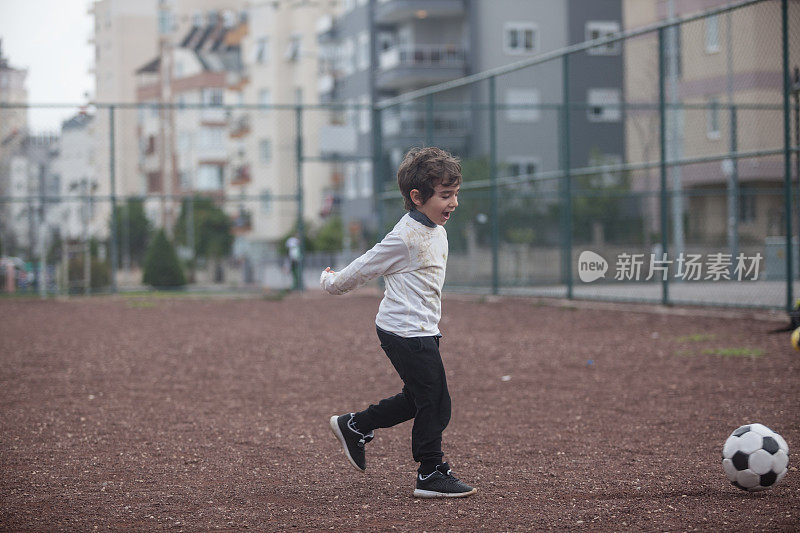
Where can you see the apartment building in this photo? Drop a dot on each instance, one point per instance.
(721, 67)
(30, 218)
(185, 150)
(418, 44)
(124, 38)
(281, 59)
(13, 129)
(73, 165)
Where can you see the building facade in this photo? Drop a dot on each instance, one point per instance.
(719, 69)
(384, 48)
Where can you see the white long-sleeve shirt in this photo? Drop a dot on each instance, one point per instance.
(412, 260)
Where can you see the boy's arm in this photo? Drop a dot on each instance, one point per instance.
(388, 256)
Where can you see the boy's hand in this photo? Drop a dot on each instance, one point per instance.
(328, 269)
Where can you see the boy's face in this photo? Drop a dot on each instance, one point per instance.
(439, 206)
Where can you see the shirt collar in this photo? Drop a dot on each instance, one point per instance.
(421, 217)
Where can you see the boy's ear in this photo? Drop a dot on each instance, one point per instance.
(416, 197)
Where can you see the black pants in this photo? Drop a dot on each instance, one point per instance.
(424, 396)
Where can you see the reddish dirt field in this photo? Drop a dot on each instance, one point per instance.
(189, 414)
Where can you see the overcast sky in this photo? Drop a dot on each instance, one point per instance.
(50, 39)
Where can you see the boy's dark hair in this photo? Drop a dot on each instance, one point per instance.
(425, 168)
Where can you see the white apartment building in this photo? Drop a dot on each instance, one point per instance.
(125, 36)
(13, 128)
(281, 58)
(76, 178)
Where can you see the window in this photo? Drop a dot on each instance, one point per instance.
(747, 204)
(523, 97)
(293, 48)
(366, 178)
(604, 105)
(262, 50)
(346, 57)
(298, 95)
(210, 139)
(520, 38)
(712, 118)
(597, 29)
(212, 96)
(265, 150)
(524, 167)
(265, 97)
(165, 21)
(712, 34)
(209, 177)
(265, 201)
(350, 177)
(364, 116)
(348, 5)
(362, 51)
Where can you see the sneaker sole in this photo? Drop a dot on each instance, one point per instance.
(419, 493)
(338, 434)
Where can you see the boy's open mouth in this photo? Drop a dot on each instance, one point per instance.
(446, 215)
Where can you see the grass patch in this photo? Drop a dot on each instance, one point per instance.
(276, 296)
(142, 304)
(734, 352)
(696, 337)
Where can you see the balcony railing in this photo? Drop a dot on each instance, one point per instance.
(240, 126)
(423, 56)
(241, 175)
(413, 123)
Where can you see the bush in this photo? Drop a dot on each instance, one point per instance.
(100, 272)
(161, 265)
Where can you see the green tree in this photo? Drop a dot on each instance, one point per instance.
(133, 223)
(212, 228)
(329, 236)
(161, 265)
(602, 200)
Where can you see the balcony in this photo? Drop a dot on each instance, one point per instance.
(326, 86)
(415, 66)
(326, 29)
(240, 127)
(213, 115)
(242, 222)
(241, 176)
(407, 127)
(394, 11)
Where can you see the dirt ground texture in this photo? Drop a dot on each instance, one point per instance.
(185, 414)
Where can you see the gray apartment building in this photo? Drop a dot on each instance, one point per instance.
(378, 49)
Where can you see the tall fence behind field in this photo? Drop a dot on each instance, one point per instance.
(664, 150)
(655, 165)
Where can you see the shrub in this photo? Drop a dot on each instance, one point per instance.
(161, 265)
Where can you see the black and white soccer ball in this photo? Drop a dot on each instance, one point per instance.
(755, 458)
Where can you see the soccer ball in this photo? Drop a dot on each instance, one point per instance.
(755, 457)
(796, 339)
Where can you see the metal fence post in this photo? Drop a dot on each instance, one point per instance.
(733, 187)
(662, 125)
(300, 224)
(112, 174)
(566, 185)
(429, 120)
(494, 211)
(787, 153)
(378, 179)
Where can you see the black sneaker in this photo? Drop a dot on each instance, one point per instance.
(352, 441)
(442, 484)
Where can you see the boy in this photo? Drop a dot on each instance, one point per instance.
(412, 259)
